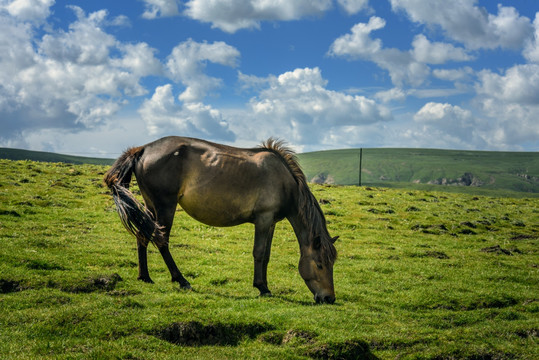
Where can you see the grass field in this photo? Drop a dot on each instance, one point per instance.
(492, 173)
(420, 275)
(504, 173)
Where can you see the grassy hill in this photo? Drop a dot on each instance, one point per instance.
(420, 275)
(478, 172)
(427, 169)
(42, 156)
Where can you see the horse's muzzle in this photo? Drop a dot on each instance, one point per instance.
(324, 299)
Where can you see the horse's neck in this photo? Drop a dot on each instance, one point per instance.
(303, 229)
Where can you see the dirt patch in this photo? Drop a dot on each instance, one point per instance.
(350, 349)
(9, 286)
(91, 284)
(432, 254)
(383, 211)
(467, 232)
(497, 249)
(10, 213)
(436, 254)
(272, 337)
(194, 333)
(528, 333)
(468, 224)
(41, 265)
(517, 237)
(434, 229)
(298, 336)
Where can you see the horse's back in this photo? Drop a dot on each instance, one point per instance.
(216, 184)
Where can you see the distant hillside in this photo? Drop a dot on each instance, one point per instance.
(18, 154)
(512, 171)
(480, 172)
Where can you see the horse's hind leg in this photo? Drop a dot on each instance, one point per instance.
(143, 273)
(165, 217)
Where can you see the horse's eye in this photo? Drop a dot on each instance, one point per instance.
(319, 266)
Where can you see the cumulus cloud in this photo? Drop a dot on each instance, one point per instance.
(448, 125)
(353, 6)
(403, 68)
(428, 52)
(531, 50)
(511, 125)
(232, 15)
(298, 105)
(511, 102)
(391, 95)
(519, 85)
(187, 61)
(71, 79)
(28, 10)
(461, 74)
(164, 116)
(358, 43)
(471, 25)
(160, 8)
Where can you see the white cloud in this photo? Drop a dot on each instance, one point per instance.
(428, 52)
(397, 94)
(358, 43)
(401, 65)
(448, 125)
(233, 15)
(510, 126)
(139, 59)
(28, 10)
(473, 26)
(298, 106)
(353, 6)
(462, 74)
(67, 79)
(164, 116)
(520, 84)
(511, 102)
(187, 61)
(160, 8)
(531, 50)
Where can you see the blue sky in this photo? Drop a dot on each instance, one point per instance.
(94, 77)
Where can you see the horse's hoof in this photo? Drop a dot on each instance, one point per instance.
(146, 280)
(186, 287)
(266, 294)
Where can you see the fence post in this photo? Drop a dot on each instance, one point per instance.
(360, 163)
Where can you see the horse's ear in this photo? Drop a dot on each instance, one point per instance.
(317, 243)
(334, 239)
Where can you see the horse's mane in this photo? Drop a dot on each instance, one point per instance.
(308, 208)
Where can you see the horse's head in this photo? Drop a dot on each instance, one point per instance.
(316, 268)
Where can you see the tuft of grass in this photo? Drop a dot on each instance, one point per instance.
(411, 283)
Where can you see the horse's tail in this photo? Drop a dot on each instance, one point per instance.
(134, 216)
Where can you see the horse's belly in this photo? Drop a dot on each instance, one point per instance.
(217, 211)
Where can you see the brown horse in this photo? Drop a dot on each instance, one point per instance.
(220, 185)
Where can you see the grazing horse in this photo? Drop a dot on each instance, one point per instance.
(220, 185)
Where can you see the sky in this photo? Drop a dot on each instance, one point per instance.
(94, 77)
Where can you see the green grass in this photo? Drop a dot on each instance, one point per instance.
(43, 156)
(420, 275)
(502, 173)
(510, 174)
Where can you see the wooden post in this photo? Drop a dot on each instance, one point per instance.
(360, 163)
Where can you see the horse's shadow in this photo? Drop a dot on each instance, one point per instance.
(277, 296)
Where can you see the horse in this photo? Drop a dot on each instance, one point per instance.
(223, 186)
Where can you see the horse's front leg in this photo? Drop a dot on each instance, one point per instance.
(174, 271)
(261, 255)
